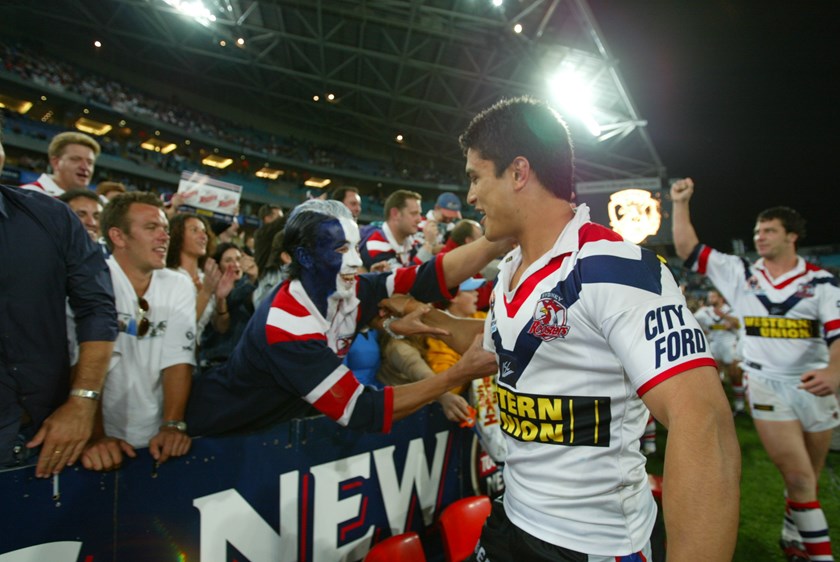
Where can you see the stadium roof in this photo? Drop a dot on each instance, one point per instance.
(422, 69)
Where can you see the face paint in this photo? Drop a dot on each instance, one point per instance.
(337, 258)
(351, 261)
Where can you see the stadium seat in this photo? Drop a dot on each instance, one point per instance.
(460, 526)
(405, 547)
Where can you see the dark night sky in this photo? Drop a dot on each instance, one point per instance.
(742, 97)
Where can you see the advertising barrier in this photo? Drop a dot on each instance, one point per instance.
(306, 490)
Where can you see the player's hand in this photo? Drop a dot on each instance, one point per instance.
(682, 190)
(169, 442)
(477, 362)
(106, 454)
(820, 382)
(412, 323)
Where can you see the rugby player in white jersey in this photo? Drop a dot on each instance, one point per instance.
(791, 355)
(590, 331)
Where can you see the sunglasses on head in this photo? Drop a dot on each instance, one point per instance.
(143, 323)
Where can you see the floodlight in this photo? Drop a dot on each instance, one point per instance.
(575, 97)
(193, 9)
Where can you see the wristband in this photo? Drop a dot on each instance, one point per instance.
(386, 325)
(85, 393)
(177, 424)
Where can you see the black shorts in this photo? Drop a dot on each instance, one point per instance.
(502, 541)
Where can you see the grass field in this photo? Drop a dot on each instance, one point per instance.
(762, 501)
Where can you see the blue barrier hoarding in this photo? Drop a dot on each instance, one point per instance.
(306, 490)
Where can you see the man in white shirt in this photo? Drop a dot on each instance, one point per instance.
(149, 379)
(72, 157)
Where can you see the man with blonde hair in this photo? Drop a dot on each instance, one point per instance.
(72, 157)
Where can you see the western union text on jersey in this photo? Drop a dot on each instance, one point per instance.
(556, 420)
(772, 327)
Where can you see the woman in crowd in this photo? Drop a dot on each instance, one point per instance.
(236, 309)
(190, 242)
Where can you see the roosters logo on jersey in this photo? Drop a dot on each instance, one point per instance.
(805, 291)
(549, 318)
(753, 285)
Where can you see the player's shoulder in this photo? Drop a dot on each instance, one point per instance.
(820, 275)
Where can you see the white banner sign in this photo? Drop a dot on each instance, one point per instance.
(212, 196)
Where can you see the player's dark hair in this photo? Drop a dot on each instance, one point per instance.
(529, 128)
(791, 220)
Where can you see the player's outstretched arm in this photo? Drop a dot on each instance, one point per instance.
(701, 486)
(465, 261)
(457, 333)
(685, 238)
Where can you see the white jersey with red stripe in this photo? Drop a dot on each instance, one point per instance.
(787, 321)
(44, 184)
(591, 326)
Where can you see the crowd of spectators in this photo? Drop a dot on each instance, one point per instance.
(31, 65)
(185, 290)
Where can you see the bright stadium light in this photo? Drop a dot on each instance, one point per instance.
(575, 97)
(194, 9)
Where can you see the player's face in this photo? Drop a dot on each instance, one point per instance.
(714, 299)
(88, 212)
(353, 202)
(195, 238)
(409, 217)
(147, 240)
(771, 239)
(74, 168)
(490, 196)
(337, 257)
